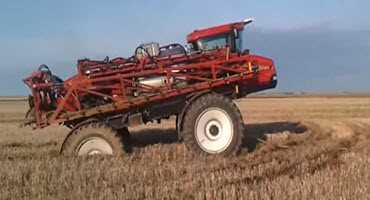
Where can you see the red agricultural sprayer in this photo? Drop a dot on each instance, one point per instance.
(196, 84)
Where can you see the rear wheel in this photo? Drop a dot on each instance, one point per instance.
(94, 138)
(213, 125)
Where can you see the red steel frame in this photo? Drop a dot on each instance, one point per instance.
(238, 68)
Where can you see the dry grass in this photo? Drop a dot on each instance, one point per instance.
(296, 148)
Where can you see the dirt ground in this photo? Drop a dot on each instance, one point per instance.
(295, 148)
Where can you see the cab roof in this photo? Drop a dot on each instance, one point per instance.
(217, 30)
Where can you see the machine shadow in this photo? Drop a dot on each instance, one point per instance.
(151, 136)
(253, 135)
(257, 133)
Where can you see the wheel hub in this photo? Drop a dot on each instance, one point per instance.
(94, 152)
(214, 130)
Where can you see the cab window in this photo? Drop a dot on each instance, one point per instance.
(232, 40)
(211, 43)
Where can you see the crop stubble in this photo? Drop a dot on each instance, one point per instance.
(295, 148)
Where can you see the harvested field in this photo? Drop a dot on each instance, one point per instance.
(295, 148)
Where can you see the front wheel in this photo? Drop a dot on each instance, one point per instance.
(213, 125)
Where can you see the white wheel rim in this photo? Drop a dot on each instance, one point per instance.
(94, 146)
(214, 130)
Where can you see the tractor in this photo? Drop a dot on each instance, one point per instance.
(196, 84)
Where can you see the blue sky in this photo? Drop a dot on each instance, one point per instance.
(317, 45)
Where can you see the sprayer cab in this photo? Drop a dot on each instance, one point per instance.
(227, 35)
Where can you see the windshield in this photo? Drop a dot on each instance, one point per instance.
(234, 41)
(213, 42)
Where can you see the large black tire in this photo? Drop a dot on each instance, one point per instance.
(213, 125)
(94, 138)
